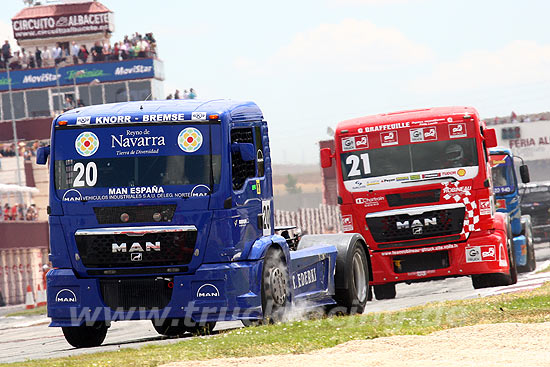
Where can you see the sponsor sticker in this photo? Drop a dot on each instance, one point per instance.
(414, 177)
(501, 204)
(83, 120)
(208, 290)
(65, 296)
(419, 250)
(375, 201)
(361, 141)
(201, 116)
(430, 133)
(348, 144)
(86, 144)
(473, 254)
(388, 138)
(416, 135)
(431, 175)
(481, 253)
(457, 130)
(190, 140)
(347, 223)
(484, 207)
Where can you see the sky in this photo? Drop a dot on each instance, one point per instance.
(309, 64)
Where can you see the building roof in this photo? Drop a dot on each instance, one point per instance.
(57, 10)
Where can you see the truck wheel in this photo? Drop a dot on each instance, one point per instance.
(531, 259)
(499, 279)
(85, 336)
(356, 274)
(274, 286)
(385, 291)
(169, 327)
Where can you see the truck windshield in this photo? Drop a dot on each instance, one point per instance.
(503, 177)
(413, 158)
(136, 161)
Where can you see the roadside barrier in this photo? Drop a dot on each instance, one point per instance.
(21, 268)
(40, 296)
(324, 219)
(29, 298)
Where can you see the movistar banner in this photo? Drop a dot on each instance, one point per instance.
(104, 72)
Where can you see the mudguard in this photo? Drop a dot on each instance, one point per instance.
(342, 242)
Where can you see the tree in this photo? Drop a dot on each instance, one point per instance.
(291, 186)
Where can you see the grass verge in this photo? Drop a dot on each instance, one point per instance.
(545, 270)
(305, 336)
(42, 310)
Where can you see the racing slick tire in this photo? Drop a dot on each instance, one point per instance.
(499, 279)
(354, 297)
(86, 336)
(275, 286)
(531, 258)
(385, 291)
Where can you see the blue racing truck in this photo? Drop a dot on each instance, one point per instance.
(508, 200)
(163, 210)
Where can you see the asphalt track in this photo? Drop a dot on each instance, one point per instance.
(26, 338)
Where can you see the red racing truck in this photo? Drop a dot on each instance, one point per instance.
(417, 186)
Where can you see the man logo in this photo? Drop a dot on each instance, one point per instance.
(136, 256)
(65, 296)
(208, 290)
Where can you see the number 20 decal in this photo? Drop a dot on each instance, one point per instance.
(355, 161)
(85, 176)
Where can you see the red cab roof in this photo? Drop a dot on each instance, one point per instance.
(410, 115)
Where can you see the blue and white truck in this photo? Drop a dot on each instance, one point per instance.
(508, 200)
(163, 210)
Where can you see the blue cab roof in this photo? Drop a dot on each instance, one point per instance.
(169, 110)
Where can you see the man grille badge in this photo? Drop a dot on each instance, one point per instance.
(417, 230)
(137, 256)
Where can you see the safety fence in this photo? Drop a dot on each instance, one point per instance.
(324, 219)
(21, 271)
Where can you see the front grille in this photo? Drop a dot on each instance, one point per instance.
(413, 198)
(141, 293)
(402, 227)
(420, 262)
(151, 249)
(136, 214)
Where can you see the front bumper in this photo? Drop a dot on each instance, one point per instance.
(215, 292)
(480, 254)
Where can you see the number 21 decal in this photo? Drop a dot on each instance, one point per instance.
(355, 161)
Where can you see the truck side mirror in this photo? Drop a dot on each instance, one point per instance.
(248, 153)
(490, 138)
(524, 173)
(42, 155)
(326, 158)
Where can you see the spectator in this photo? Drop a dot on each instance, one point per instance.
(47, 57)
(169, 96)
(177, 94)
(32, 62)
(6, 51)
(83, 54)
(80, 103)
(32, 213)
(116, 52)
(192, 94)
(15, 63)
(57, 54)
(97, 52)
(74, 52)
(13, 213)
(7, 212)
(38, 57)
(185, 94)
